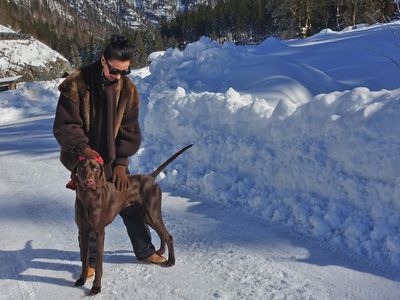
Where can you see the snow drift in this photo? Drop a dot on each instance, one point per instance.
(30, 99)
(289, 130)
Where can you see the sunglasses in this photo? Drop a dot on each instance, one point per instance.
(114, 71)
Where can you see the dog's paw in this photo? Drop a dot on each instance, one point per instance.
(80, 282)
(95, 290)
(169, 263)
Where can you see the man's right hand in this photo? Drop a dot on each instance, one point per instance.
(89, 153)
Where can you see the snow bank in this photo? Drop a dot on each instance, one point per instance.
(279, 130)
(154, 55)
(331, 169)
(29, 99)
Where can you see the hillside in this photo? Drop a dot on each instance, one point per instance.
(79, 28)
(26, 56)
(115, 14)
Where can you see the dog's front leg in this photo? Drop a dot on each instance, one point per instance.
(84, 241)
(83, 228)
(99, 262)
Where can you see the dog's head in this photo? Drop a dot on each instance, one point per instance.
(89, 174)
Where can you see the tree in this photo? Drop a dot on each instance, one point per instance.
(74, 58)
(140, 54)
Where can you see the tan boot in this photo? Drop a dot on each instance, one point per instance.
(156, 259)
(90, 272)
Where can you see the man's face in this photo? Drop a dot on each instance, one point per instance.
(115, 64)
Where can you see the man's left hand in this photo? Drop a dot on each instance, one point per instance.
(120, 178)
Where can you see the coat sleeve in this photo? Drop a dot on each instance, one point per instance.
(128, 139)
(68, 124)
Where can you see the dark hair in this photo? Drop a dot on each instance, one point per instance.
(118, 48)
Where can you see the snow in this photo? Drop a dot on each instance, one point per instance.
(291, 190)
(5, 29)
(9, 79)
(221, 253)
(154, 55)
(30, 99)
(16, 53)
(300, 132)
(142, 72)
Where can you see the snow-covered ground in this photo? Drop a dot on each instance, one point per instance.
(221, 253)
(291, 190)
(6, 29)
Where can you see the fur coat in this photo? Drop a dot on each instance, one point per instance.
(93, 114)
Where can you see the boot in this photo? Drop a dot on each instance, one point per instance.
(156, 259)
(90, 272)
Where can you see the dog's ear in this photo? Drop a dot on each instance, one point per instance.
(74, 170)
(102, 177)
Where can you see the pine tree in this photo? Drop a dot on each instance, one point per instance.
(74, 59)
(172, 43)
(140, 55)
(158, 42)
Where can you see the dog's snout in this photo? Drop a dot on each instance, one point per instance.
(90, 181)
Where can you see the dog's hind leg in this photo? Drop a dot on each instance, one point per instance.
(161, 251)
(154, 216)
(159, 227)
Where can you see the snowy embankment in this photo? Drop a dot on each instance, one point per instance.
(33, 98)
(301, 132)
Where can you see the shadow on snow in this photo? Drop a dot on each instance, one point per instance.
(29, 136)
(14, 263)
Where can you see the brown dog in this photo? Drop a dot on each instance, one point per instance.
(98, 203)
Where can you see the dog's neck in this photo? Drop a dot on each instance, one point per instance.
(91, 199)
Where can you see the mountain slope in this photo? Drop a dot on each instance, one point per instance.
(74, 28)
(116, 13)
(29, 57)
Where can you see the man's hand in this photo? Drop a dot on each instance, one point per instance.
(120, 178)
(89, 153)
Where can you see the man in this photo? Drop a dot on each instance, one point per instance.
(97, 118)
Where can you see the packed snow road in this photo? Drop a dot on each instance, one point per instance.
(221, 254)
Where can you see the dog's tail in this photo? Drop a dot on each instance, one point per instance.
(169, 160)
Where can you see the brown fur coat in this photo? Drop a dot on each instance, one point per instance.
(90, 114)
